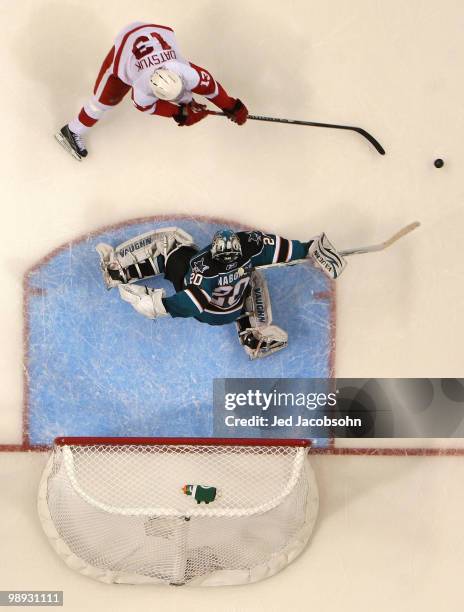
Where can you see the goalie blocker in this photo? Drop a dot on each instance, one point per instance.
(326, 257)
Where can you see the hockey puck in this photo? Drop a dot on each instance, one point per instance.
(438, 163)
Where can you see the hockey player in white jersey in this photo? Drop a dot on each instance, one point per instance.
(145, 58)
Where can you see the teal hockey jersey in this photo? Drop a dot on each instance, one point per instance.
(215, 293)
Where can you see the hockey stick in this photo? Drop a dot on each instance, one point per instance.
(357, 251)
(375, 143)
(382, 245)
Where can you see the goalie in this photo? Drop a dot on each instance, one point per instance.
(218, 284)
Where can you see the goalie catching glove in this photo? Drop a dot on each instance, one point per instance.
(326, 257)
(146, 301)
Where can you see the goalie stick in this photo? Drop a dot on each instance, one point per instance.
(375, 143)
(382, 245)
(358, 250)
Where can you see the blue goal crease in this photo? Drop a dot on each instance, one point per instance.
(97, 368)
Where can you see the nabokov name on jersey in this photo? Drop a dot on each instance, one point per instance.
(226, 279)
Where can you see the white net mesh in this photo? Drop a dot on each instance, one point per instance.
(178, 513)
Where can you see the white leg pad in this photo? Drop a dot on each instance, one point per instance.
(142, 248)
(260, 338)
(108, 261)
(151, 244)
(146, 301)
(258, 303)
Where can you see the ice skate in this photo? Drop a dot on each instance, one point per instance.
(72, 142)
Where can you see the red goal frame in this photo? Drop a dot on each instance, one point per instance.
(120, 441)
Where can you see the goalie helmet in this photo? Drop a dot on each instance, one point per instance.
(226, 247)
(166, 84)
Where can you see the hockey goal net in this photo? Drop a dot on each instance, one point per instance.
(178, 511)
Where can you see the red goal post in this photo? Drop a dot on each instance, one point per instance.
(120, 441)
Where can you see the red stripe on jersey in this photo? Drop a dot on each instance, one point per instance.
(207, 84)
(113, 91)
(165, 109)
(104, 67)
(126, 36)
(139, 107)
(86, 120)
(222, 100)
(144, 109)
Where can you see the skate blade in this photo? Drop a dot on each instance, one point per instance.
(65, 144)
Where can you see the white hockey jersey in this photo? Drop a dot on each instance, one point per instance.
(140, 49)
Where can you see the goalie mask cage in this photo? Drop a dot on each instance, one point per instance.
(180, 511)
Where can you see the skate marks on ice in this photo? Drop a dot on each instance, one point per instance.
(95, 367)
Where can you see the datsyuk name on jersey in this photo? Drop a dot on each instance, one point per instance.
(155, 59)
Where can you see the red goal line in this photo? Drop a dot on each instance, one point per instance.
(332, 450)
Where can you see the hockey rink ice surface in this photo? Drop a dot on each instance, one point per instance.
(120, 375)
(76, 360)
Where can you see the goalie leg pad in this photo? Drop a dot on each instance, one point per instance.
(140, 257)
(256, 333)
(146, 301)
(258, 302)
(113, 273)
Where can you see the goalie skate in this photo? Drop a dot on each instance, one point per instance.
(71, 142)
(263, 341)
